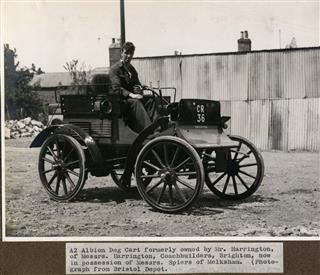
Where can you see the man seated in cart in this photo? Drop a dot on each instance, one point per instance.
(125, 82)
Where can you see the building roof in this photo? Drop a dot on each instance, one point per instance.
(48, 80)
(51, 80)
(230, 53)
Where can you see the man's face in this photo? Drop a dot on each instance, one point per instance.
(126, 56)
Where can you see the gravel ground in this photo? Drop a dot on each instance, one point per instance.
(286, 204)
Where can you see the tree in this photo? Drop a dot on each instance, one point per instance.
(20, 99)
(79, 76)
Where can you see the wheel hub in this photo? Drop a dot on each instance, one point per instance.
(168, 176)
(232, 168)
(59, 165)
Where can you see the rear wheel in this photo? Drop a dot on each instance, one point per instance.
(62, 167)
(169, 174)
(244, 173)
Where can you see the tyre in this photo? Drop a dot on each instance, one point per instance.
(169, 174)
(62, 167)
(244, 173)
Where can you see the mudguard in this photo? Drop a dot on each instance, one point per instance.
(42, 136)
(82, 136)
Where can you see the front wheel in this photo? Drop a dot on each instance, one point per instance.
(62, 167)
(243, 175)
(169, 174)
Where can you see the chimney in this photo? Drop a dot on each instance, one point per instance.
(114, 51)
(244, 43)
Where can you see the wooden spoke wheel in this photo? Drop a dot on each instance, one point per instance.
(169, 174)
(62, 167)
(116, 175)
(244, 173)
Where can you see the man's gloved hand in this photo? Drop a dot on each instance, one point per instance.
(137, 92)
(136, 96)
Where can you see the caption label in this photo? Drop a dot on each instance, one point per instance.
(164, 258)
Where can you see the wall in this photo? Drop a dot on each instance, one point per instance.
(272, 96)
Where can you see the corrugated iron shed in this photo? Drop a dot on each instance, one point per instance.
(272, 95)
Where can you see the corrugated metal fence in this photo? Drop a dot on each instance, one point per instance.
(272, 96)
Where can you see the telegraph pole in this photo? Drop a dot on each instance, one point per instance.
(122, 19)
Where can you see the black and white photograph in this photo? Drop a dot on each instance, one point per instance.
(154, 120)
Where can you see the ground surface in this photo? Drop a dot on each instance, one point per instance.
(286, 204)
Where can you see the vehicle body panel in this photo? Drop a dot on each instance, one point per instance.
(205, 136)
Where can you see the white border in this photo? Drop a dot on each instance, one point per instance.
(116, 239)
(157, 239)
(2, 127)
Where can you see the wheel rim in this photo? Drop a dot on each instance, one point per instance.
(116, 175)
(243, 175)
(61, 167)
(169, 174)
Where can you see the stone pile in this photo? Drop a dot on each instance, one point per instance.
(26, 127)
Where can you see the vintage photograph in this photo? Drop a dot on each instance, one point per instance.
(160, 119)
